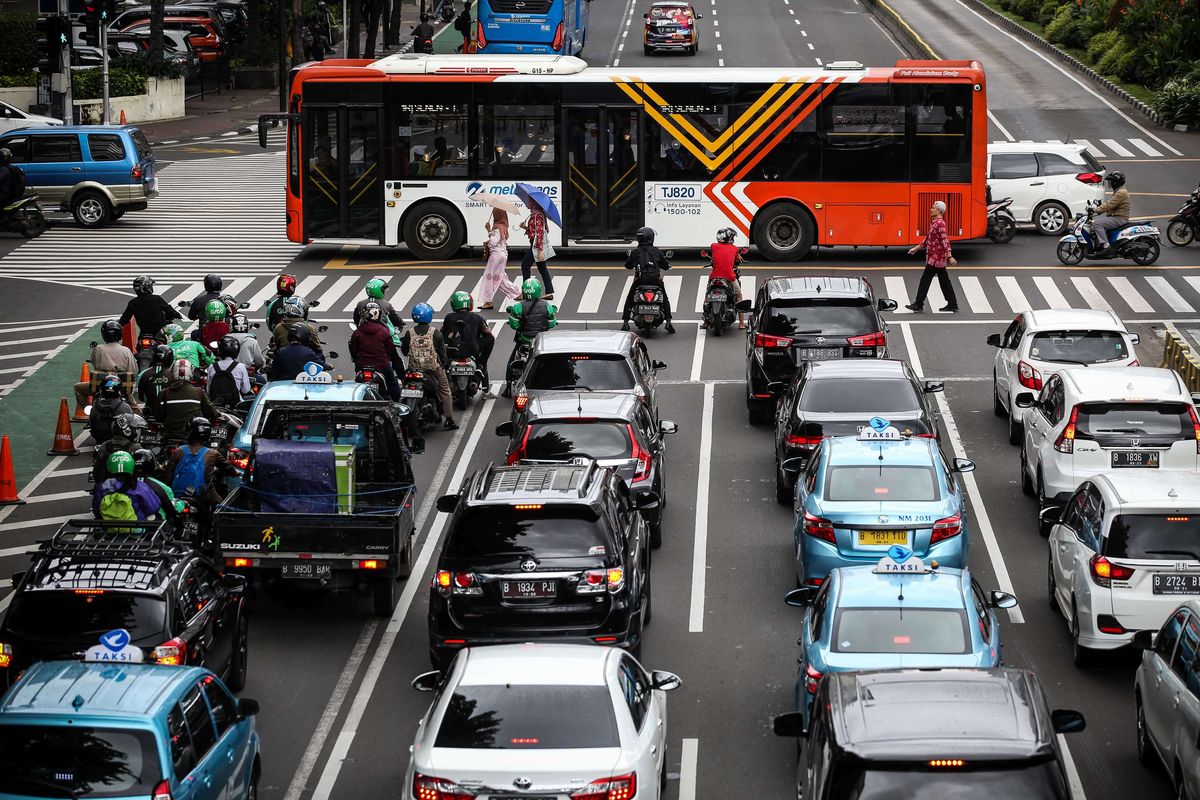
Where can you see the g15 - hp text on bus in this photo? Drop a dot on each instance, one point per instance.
(393, 151)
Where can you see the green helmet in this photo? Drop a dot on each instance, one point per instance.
(173, 333)
(215, 310)
(376, 287)
(531, 289)
(461, 301)
(120, 463)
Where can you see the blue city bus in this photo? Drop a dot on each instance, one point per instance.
(532, 26)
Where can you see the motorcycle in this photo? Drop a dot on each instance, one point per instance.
(520, 358)
(719, 297)
(1134, 241)
(145, 350)
(419, 390)
(465, 378)
(1002, 225)
(1184, 227)
(423, 44)
(24, 216)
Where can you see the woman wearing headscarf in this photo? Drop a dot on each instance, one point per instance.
(539, 248)
(495, 275)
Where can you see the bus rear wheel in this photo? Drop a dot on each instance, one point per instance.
(433, 231)
(784, 232)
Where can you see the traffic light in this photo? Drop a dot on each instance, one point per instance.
(55, 32)
(99, 11)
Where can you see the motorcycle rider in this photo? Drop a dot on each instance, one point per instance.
(1112, 213)
(195, 468)
(149, 309)
(290, 359)
(725, 258)
(108, 404)
(12, 179)
(647, 263)
(249, 353)
(110, 358)
(529, 317)
(426, 351)
(285, 287)
(228, 380)
(422, 33)
(469, 334)
(189, 349)
(371, 347)
(295, 313)
(152, 380)
(212, 291)
(123, 496)
(376, 288)
(181, 402)
(126, 437)
(144, 467)
(215, 327)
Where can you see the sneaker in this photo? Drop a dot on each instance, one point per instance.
(624, 326)
(916, 309)
(450, 425)
(418, 446)
(548, 296)
(951, 309)
(487, 395)
(670, 328)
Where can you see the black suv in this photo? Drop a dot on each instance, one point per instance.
(794, 320)
(92, 577)
(837, 398)
(932, 733)
(556, 552)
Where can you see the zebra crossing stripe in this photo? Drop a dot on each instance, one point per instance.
(1166, 292)
(1049, 290)
(894, 286)
(259, 298)
(446, 287)
(1145, 148)
(562, 283)
(1096, 151)
(972, 290)
(1124, 288)
(189, 291)
(1090, 294)
(1116, 147)
(1012, 293)
(402, 297)
(339, 288)
(1194, 283)
(593, 293)
(624, 293)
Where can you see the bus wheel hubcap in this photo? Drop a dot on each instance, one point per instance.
(783, 233)
(434, 231)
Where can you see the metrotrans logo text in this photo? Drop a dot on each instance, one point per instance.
(475, 187)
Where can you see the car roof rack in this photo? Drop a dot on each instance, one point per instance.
(107, 538)
(558, 477)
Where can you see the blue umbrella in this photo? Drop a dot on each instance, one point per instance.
(533, 196)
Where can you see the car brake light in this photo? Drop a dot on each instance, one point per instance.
(557, 44)
(480, 39)
(1195, 425)
(1089, 177)
(371, 563)
(1104, 572)
(516, 455)
(811, 679)
(1065, 443)
(5, 656)
(427, 787)
(618, 787)
(771, 342)
(644, 461)
(597, 580)
(946, 528)
(241, 561)
(804, 441)
(172, 653)
(442, 581)
(162, 791)
(1029, 377)
(466, 583)
(819, 528)
(520, 401)
(239, 458)
(869, 340)
(89, 591)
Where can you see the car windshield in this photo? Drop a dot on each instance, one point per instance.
(596, 439)
(1136, 419)
(528, 718)
(831, 317)
(588, 372)
(882, 484)
(901, 630)
(1164, 537)
(76, 762)
(47, 614)
(549, 532)
(850, 395)
(1078, 347)
(1022, 781)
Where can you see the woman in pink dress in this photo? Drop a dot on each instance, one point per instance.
(495, 275)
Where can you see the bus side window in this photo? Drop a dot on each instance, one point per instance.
(431, 140)
(863, 130)
(518, 131)
(941, 148)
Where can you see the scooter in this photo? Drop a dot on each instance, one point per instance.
(145, 350)
(1134, 241)
(1184, 227)
(465, 380)
(1002, 225)
(24, 216)
(419, 391)
(517, 367)
(719, 296)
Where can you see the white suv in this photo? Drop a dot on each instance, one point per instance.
(1049, 182)
(1038, 343)
(1123, 551)
(1092, 420)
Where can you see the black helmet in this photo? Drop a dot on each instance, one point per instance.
(425, 18)
(143, 284)
(239, 323)
(123, 427)
(199, 430)
(138, 422)
(373, 311)
(143, 462)
(110, 331)
(110, 386)
(1116, 179)
(299, 333)
(645, 235)
(5, 155)
(212, 282)
(229, 346)
(163, 355)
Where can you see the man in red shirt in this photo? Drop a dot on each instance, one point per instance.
(937, 256)
(725, 258)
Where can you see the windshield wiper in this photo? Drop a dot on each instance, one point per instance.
(1187, 553)
(1070, 361)
(1116, 430)
(801, 333)
(579, 386)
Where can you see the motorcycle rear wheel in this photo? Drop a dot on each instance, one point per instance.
(1149, 256)
(1004, 230)
(1180, 232)
(1070, 253)
(33, 225)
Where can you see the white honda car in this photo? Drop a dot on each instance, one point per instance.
(545, 721)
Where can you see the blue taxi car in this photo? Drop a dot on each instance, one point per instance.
(118, 729)
(858, 496)
(901, 613)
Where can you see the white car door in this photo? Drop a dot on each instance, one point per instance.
(1187, 731)
(1036, 425)
(649, 722)
(1065, 545)
(1175, 689)
(11, 118)
(1159, 690)
(1006, 357)
(1015, 175)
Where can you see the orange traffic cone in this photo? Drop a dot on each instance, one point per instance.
(123, 116)
(64, 442)
(85, 376)
(8, 481)
(129, 336)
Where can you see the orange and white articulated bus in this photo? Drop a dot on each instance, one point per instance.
(394, 151)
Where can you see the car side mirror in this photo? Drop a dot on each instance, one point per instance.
(332, 354)
(668, 426)
(657, 365)
(243, 407)
(1135, 338)
(777, 387)
(322, 328)
(1067, 720)
(744, 305)
(447, 503)
(314, 303)
(646, 500)
(243, 305)
(793, 464)
(427, 681)
(999, 599)
(1025, 400)
(234, 582)
(247, 707)
(669, 255)
(17, 577)
(932, 387)
(1048, 517)
(790, 725)
(887, 304)
(964, 465)
(994, 340)
(665, 681)
(1142, 640)
(504, 429)
(800, 598)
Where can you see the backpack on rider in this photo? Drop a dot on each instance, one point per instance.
(189, 473)
(109, 404)
(222, 388)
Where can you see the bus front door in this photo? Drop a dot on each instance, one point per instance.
(603, 187)
(341, 189)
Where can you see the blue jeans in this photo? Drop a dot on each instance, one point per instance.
(526, 270)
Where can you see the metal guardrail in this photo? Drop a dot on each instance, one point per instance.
(1177, 355)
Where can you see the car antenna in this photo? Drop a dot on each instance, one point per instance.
(579, 404)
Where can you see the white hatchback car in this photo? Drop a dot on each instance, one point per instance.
(1038, 343)
(1123, 550)
(1092, 420)
(12, 118)
(1049, 182)
(552, 721)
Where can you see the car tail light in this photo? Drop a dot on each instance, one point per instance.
(804, 441)
(1065, 443)
(5, 656)
(172, 653)
(372, 563)
(870, 340)
(162, 791)
(1089, 177)
(643, 458)
(618, 787)
(239, 458)
(1107, 623)
(557, 44)
(769, 342)
(596, 581)
(819, 528)
(1029, 377)
(946, 528)
(442, 582)
(1195, 425)
(519, 453)
(811, 679)
(427, 787)
(1135, 363)
(520, 401)
(240, 562)
(480, 39)
(136, 172)
(1104, 572)
(466, 583)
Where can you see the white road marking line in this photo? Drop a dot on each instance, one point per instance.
(1167, 292)
(1117, 147)
(593, 293)
(688, 752)
(718, 47)
(1045, 284)
(308, 285)
(72, 471)
(260, 298)
(748, 283)
(700, 551)
(48, 325)
(18, 551)
(616, 62)
(1012, 293)
(37, 523)
(1140, 144)
(1090, 294)
(52, 498)
(335, 292)
(982, 519)
(819, 62)
(237, 286)
(400, 300)
(354, 300)
(624, 294)
(30, 354)
(1073, 780)
(14, 370)
(43, 474)
(441, 295)
(996, 122)
(46, 359)
(1096, 151)
(1137, 304)
(716, 34)
(720, 62)
(698, 354)
(561, 284)
(934, 300)
(673, 284)
(810, 46)
(802, 33)
(896, 290)
(1194, 283)
(189, 291)
(972, 289)
(16, 342)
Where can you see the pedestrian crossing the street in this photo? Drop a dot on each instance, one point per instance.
(1133, 147)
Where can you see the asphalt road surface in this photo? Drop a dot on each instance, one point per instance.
(338, 713)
